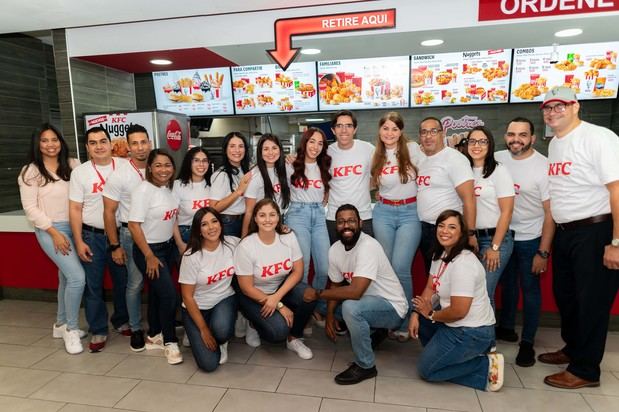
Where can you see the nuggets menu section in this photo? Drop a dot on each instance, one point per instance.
(474, 77)
(199, 92)
(363, 83)
(589, 69)
(267, 88)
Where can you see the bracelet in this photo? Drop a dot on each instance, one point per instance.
(472, 232)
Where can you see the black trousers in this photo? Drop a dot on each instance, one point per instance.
(428, 238)
(331, 229)
(584, 290)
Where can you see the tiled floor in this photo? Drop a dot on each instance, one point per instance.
(37, 375)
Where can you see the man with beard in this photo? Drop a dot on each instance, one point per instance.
(365, 284)
(534, 229)
(117, 197)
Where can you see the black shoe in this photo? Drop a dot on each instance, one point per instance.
(137, 341)
(378, 336)
(526, 355)
(355, 374)
(508, 335)
(341, 329)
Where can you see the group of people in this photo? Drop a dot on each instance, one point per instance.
(246, 238)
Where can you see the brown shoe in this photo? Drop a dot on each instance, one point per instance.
(567, 380)
(554, 358)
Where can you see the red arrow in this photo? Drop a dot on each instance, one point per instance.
(284, 53)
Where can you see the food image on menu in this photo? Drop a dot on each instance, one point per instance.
(284, 81)
(264, 100)
(307, 90)
(334, 91)
(566, 65)
(264, 81)
(603, 63)
(445, 77)
(285, 105)
(492, 73)
(424, 98)
(469, 69)
(527, 91)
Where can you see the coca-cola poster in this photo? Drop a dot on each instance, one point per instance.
(457, 129)
(174, 135)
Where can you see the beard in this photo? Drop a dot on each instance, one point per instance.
(522, 150)
(350, 242)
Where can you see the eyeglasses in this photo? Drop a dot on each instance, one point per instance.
(557, 108)
(344, 126)
(198, 161)
(480, 142)
(348, 222)
(431, 132)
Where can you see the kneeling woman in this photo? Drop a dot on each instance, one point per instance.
(459, 331)
(209, 302)
(269, 268)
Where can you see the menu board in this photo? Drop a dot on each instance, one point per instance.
(472, 77)
(196, 92)
(589, 69)
(266, 88)
(376, 83)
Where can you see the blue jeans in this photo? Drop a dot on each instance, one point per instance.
(220, 321)
(398, 230)
(185, 232)
(274, 328)
(519, 266)
(505, 251)
(71, 277)
(162, 297)
(456, 355)
(233, 225)
(135, 281)
(308, 222)
(96, 310)
(369, 312)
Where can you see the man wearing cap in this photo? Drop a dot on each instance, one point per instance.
(583, 173)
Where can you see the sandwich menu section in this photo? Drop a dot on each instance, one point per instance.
(376, 83)
(473, 77)
(266, 88)
(589, 69)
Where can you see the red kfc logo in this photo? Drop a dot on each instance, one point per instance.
(97, 187)
(423, 181)
(476, 190)
(174, 135)
(199, 204)
(170, 214)
(517, 188)
(277, 188)
(559, 168)
(273, 270)
(390, 170)
(344, 171)
(226, 273)
(316, 184)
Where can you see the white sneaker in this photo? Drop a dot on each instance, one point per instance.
(223, 349)
(186, 342)
(297, 345)
(154, 342)
(496, 371)
(72, 343)
(173, 353)
(240, 326)
(251, 337)
(58, 331)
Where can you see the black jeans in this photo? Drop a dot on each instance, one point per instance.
(428, 237)
(584, 290)
(333, 237)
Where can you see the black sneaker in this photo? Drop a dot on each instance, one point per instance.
(137, 341)
(508, 335)
(526, 355)
(378, 336)
(340, 328)
(355, 374)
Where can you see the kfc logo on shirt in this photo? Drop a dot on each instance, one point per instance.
(199, 204)
(226, 273)
(311, 184)
(559, 169)
(170, 214)
(423, 181)
(273, 270)
(517, 188)
(344, 171)
(390, 170)
(348, 275)
(97, 187)
(476, 190)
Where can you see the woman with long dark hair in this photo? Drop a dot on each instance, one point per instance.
(44, 190)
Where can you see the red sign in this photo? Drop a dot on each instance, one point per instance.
(519, 9)
(174, 135)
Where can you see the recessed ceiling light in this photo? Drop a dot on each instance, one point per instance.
(432, 42)
(310, 51)
(161, 62)
(314, 120)
(568, 33)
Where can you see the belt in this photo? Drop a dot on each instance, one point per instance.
(232, 217)
(92, 229)
(400, 202)
(584, 222)
(124, 224)
(489, 232)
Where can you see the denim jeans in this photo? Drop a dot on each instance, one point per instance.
(274, 328)
(456, 355)
(135, 281)
(505, 252)
(220, 321)
(398, 230)
(233, 225)
(519, 266)
(185, 231)
(369, 312)
(96, 310)
(162, 297)
(428, 238)
(71, 277)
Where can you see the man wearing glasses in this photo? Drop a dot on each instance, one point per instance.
(445, 181)
(583, 171)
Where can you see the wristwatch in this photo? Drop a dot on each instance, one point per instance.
(614, 242)
(544, 254)
(112, 248)
(431, 316)
(279, 305)
(495, 247)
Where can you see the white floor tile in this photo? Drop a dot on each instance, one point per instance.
(236, 400)
(22, 356)
(526, 400)
(231, 375)
(23, 382)
(12, 404)
(338, 405)
(320, 383)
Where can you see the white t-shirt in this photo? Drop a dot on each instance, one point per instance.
(191, 197)
(120, 185)
(488, 191)
(464, 276)
(268, 264)
(530, 178)
(350, 183)
(368, 260)
(580, 164)
(156, 209)
(255, 189)
(86, 186)
(438, 177)
(390, 186)
(220, 188)
(315, 191)
(211, 272)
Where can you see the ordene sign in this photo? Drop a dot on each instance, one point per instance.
(518, 9)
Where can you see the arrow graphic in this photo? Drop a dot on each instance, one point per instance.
(284, 53)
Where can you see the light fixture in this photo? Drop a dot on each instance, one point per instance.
(432, 42)
(314, 120)
(161, 62)
(568, 33)
(554, 56)
(310, 51)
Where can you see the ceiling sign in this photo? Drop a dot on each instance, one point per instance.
(284, 53)
(520, 9)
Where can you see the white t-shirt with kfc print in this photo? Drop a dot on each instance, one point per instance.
(390, 186)
(255, 189)
(314, 192)
(120, 185)
(191, 197)
(156, 209)
(488, 191)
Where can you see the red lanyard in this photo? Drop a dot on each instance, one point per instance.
(136, 169)
(101, 179)
(436, 279)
